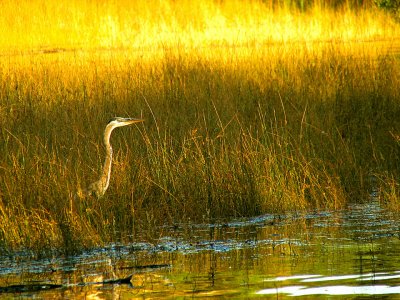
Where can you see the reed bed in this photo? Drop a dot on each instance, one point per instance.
(269, 111)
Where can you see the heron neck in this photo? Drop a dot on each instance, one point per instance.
(108, 160)
(107, 134)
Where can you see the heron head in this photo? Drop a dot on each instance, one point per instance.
(118, 121)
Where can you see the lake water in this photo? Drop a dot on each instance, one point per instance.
(352, 253)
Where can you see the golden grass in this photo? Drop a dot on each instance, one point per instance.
(266, 110)
(146, 26)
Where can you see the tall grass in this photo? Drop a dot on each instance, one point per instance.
(270, 110)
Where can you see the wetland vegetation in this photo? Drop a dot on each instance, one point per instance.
(251, 108)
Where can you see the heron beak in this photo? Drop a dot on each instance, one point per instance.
(129, 121)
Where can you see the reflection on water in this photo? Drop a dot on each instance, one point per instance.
(327, 287)
(351, 252)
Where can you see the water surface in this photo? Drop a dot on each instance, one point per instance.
(351, 253)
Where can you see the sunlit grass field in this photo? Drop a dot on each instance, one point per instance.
(251, 108)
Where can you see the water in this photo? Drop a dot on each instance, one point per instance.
(343, 254)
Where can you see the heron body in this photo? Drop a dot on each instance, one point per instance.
(99, 187)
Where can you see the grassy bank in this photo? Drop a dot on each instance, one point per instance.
(271, 110)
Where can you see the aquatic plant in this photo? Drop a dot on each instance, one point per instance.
(285, 114)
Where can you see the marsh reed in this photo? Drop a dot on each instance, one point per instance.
(269, 111)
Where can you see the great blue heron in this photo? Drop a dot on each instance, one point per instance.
(99, 187)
